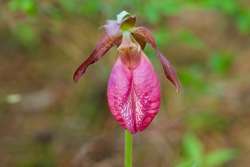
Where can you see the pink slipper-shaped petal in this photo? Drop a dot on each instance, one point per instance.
(134, 94)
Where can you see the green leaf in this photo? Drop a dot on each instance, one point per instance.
(192, 148)
(243, 21)
(228, 6)
(28, 6)
(220, 63)
(187, 163)
(219, 157)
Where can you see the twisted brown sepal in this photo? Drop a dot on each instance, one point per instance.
(145, 35)
(101, 48)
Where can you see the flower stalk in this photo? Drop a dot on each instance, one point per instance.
(128, 149)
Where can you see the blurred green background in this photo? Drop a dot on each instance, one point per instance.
(46, 120)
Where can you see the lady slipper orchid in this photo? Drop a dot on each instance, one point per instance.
(133, 87)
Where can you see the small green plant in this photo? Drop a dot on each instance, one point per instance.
(194, 155)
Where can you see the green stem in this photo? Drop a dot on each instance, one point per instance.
(128, 149)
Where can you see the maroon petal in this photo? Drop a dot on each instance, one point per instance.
(134, 95)
(144, 33)
(101, 48)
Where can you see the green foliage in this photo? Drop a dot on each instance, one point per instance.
(243, 21)
(193, 77)
(239, 13)
(206, 120)
(232, 8)
(190, 39)
(69, 6)
(93, 7)
(194, 155)
(163, 37)
(25, 34)
(220, 157)
(193, 150)
(28, 6)
(221, 62)
(226, 6)
(154, 11)
(80, 7)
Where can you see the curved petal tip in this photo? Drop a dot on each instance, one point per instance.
(101, 48)
(169, 71)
